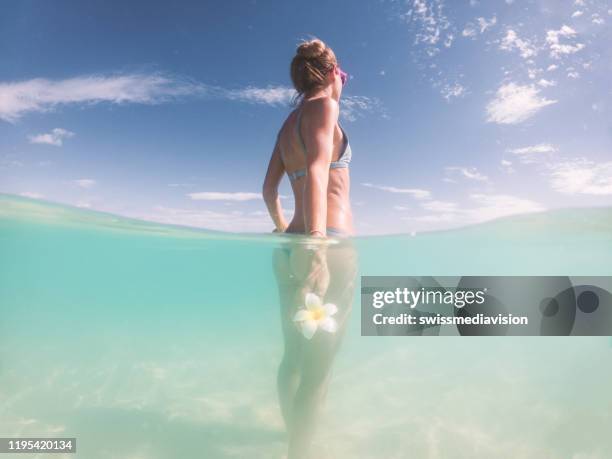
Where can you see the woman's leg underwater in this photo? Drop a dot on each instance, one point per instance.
(288, 371)
(317, 355)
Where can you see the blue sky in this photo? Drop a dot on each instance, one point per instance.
(457, 112)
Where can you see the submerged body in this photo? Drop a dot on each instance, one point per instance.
(305, 370)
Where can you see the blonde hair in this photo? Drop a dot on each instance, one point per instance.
(312, 61)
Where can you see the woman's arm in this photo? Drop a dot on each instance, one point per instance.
(274, 175)
(319, 139)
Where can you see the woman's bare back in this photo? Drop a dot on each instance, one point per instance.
(339, 213)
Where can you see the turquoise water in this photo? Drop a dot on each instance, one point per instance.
(152, 341)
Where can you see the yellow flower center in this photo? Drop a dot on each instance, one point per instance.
(317, 314)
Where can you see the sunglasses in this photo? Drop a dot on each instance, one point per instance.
(343, 76)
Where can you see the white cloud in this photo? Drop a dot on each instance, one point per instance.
(484, 24)
(450, 91)
(32, 194)
(553, 38)
(507, 166)
(577, 14)
(448, 41)
(468, 32)
(272, 95)
(581, 176)
(597, 19)
(440, 206)
(415, 192)
(430, 24)
(433, 21)
(539, 148)
(483, 207)
(533, 153)
(55, 137)
(546, 83)
(85, 183)
(353, 107)
(224, 196)
(467, 172)
(42, 95)
(552, 67)
(515, 103)
(234, 221)
(511, 41)
(500, 205)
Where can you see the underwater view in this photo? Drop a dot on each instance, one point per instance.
(145, 340)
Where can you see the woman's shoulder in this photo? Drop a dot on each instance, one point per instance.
(321, 103)
(322, 107)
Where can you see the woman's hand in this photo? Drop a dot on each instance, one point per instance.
(309, 266)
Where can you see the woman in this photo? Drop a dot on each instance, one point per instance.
(314, 152)
(313, 149)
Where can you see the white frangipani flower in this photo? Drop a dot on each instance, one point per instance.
(316, 315)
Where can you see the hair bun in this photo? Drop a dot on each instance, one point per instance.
(309, 67)
(311, 49)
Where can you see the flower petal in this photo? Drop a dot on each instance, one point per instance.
(302, 314)
(312, 301)
(309, 327)
(330, 309)
(329, 324)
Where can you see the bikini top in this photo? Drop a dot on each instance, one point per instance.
(343, 161)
